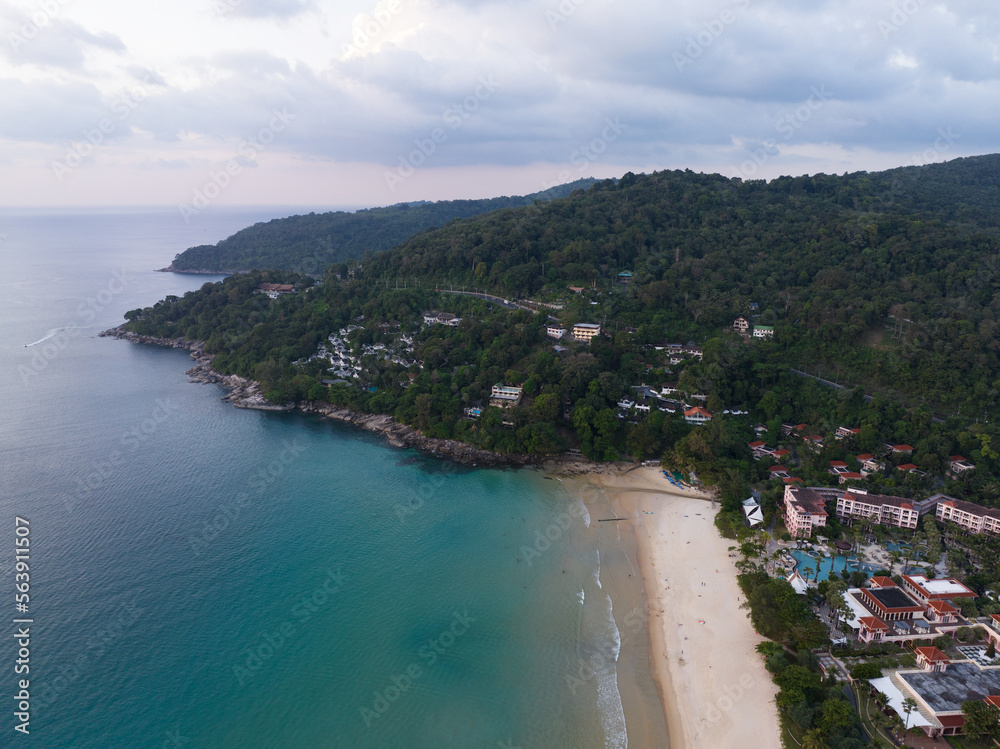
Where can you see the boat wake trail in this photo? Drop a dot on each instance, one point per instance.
(52, 333)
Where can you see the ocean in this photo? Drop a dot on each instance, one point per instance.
(205, 576)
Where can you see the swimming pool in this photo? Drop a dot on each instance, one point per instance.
(826, 564)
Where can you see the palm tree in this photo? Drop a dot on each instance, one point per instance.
(881, 699)
(814, 740)
(909, 705)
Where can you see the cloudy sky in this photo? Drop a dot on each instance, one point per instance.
(349, 102)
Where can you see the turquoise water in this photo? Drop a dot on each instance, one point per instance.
(231, 578)
(837, 564)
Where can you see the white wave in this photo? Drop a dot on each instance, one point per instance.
(581, 596)
(597, 569)
(52, 333)
(609, 699)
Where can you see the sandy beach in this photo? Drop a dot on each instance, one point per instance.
(713, 686)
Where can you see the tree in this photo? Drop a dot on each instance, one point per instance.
(982, 720)
(909, 705)
(836, 713)
(814, 740)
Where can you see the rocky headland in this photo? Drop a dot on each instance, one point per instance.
(246, 393)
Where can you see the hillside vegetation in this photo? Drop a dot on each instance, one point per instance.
(310, 243)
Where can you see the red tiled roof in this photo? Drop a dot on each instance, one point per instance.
(781, 453)
(880, 581)
(851, 475)
(932, 654)
(907, 467)
(865, 456)
(777, 469)
(901, 448)
(942, 607)
(838, 464)
(699, 411)
(873, 623)
(793, 480)
(957, 457)
(758, 443)
(993, 699)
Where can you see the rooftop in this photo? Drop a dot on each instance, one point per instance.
(946, 691)
(943, 588)
(892, 598)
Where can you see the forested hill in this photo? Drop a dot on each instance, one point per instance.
(309, 244)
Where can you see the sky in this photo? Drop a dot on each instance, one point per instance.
(196, 103)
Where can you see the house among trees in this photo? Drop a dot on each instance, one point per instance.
(845, 432)
(742, 326)
(274, 290)
(555, 331)
(585, 331)
(697, 415)
(763, 331)
(505, 396)
(958, 464)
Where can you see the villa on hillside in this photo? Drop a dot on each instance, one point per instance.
(845, 432)
(585, 331)
(555, 331)
(697, 415)
(274, 290)
(958, 464)
(763, 331)
(742, 326)
(505, 396)
(972, 518)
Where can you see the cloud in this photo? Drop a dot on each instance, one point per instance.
(44, 38)
(276, 9)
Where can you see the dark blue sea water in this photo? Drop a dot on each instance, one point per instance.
(203, 576)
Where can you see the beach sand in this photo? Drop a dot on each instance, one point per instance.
(714, 689)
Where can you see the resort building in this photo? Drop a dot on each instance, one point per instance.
(886, 612)
(844, 432)
(505, 396)
(958, 464)
(554, 331)
(925, 590)
(441, 318)
(939, 686)
(274, 290)
(763, 331)
(972, 518)
(805, 510)
(742, 326)
(697, 415)
(856, 504)
(584, 331)
(870, 464)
